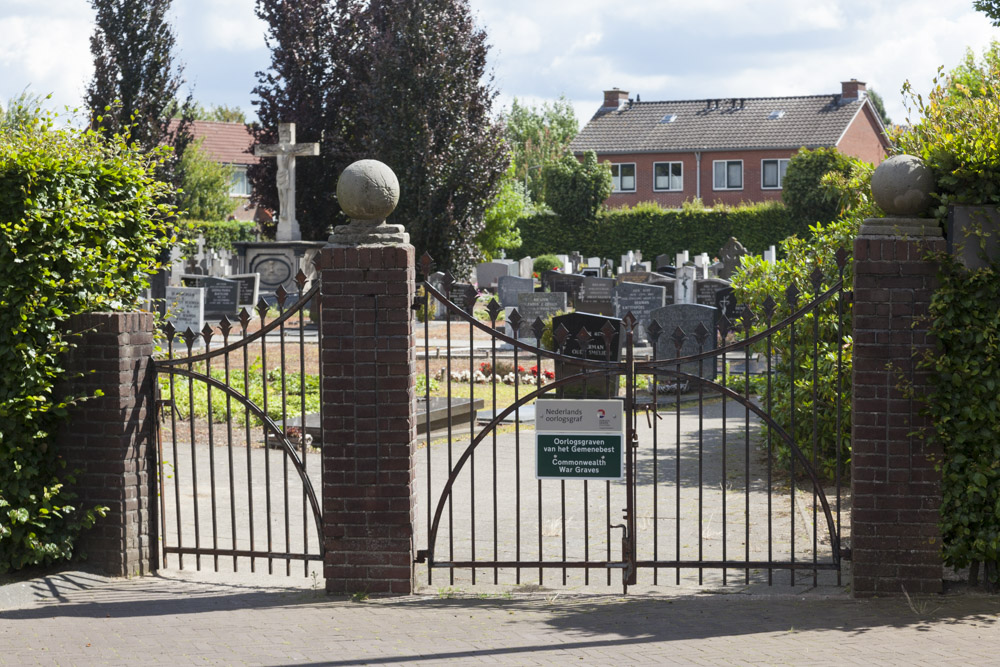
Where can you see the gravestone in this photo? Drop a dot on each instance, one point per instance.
(508, 287)
(592, 272)
(186, 308)
(705, 290)
(597, 296)
(731, 255)
(437, 311)
(594, 262)
(286, 150)
(249, 289)
(222, 296)
(687, 316)
(526, 267)
(569, 283)
(726, 303)
(533, 305)
(640, 300)
(567, 263)
(684, 285)
(663, 261)
(636, 277)
(595, 349)
(643, 266)
(575, 259)
(488, 273)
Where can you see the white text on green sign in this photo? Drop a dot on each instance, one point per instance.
(576, 456)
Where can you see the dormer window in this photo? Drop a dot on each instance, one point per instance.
(775, 115)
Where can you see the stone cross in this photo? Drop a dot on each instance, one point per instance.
(286, 150)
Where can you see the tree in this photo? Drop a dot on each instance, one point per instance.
(500, 229)
(218, 113)
(989, 7)
(537, 137)
(807, 201)
(576, 190)
(205, 186)
(879, 105)
(311, 43)
(135, 78)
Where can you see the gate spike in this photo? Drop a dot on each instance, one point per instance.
(584, 337)
(630, 320)
(841, 256)
(748, 318)
(493, 309)
(769, 306)
(447, 281)
(300, 280)
(471, 295)
(245, 318)
(538, 328)
(426, 265)
(608, 332)
(281, 294)
(207, 332)
(701, 335)
(816, 277)
(189, 336)
(225, 326)
(169, 330)
(678, 337)
(560, 334)
(262, 309)
(792, 295)
(514, 320)
(654, 331)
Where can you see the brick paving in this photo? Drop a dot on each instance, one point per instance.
(184, 618)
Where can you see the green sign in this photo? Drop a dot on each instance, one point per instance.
(579, 456)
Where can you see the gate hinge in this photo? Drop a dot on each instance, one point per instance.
(845, 553)
(163, 403)
(421, 556)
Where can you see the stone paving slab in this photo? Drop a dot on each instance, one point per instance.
(184, 618)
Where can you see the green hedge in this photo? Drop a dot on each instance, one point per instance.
(655, 230)
(218, 234)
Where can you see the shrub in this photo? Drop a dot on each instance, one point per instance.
(576, 190)
(545, 263)
(218, 234)
(205, 186)
(81, 223)
(655, 230)
(806, 200)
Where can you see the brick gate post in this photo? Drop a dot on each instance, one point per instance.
(107, 439)
(896, 493)
(368, 275)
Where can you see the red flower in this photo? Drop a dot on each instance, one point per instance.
(549, 375)
(520, 369)
(534, 370)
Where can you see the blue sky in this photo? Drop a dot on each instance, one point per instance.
(659, 49)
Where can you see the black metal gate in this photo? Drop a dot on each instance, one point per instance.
(702, 493)
(237, 449)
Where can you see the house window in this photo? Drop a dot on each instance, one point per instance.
(623, 177)
(728, 174)
(668, 176)
(240, 187)
(772, 173)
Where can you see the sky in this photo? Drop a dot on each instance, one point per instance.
(544, 49)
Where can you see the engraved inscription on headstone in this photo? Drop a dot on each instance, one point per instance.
(508, 287)
(597, 296)
(186, 308)
(221, 295)
(595, 349)
(640, 300)
(569, 283)
(726, 303)
(533, 305)
(705, 290)
(687, 316)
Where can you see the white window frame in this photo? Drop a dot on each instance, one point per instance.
(727, 163)
(238, 171)
(781, 176)
(616, 178)
(669, 177)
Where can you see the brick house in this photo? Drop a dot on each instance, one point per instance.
(725, 151)
(230, 143)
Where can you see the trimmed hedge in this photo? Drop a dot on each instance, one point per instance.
(655, 230)
(218, 235)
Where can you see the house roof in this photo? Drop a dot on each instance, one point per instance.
(727, 124)
(224, 142)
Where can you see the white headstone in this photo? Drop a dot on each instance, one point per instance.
(684, 291)
(186, 308)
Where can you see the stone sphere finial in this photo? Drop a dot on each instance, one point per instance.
(368, 190)
(902, 186)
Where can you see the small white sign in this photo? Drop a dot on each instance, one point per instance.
(582, 416)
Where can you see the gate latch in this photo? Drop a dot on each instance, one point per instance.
(163, 403)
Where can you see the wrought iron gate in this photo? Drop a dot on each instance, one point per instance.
(223, 492)
(702, 496)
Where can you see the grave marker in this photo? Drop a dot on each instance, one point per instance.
(597, 296)
(508, 287)
(687, 316)
(186, 308)
(640, 300)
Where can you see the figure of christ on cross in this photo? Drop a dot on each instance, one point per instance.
(286, 150)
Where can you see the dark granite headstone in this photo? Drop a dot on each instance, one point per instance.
(569, 283)
(508, 287)
(687, 316)
(705, 290)
(597, 296)
(725, 302)
(221, 295)
(731, 255)
(488, 273)
(590, 272)
(595, 349)
(531, 306)
(640, 300)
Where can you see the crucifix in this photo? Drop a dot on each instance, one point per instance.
(286, 150)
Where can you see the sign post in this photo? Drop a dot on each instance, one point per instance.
(579, 439)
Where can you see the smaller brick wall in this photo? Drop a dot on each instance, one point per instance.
(895, 540)
(107, 439)
(369, 429)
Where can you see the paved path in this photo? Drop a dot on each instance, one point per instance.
(178, 619)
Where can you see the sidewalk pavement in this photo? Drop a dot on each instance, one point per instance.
(184, 618)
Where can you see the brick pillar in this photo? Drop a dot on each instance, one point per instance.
(895, 541)
(369, 427)
(107, 439)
